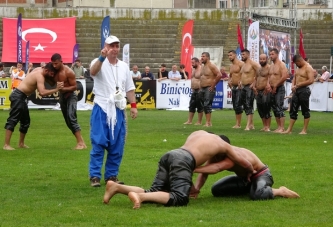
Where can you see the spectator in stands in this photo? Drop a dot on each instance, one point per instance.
(30, 68)
(224, 74)
(325, 75)
(17, 75)
(2, 73)
(162, 73)
(135, 73)
(316, 75)
(183, 73)
(174, 74)
(147, 75)
(78, 69)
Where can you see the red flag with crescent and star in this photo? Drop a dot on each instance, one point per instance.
(301, 47)
(46, 36)
(187, 48)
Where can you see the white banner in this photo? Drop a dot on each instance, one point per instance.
(126, 54)
(329, 96)
(168, 93)
(318, 98)
(227, 96)
(253, 41)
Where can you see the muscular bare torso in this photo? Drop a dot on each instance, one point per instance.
(207, 77)
(29, 84)
(262, 78)
(276, 72)
(67, 76)
(303, 74)
(235, 75)
(195, 81)
(249, 72)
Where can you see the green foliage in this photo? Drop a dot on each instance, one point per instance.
(47, 184)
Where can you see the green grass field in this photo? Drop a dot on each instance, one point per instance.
(48, 185)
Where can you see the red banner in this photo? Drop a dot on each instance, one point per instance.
(46, 36)
(240, 38)
(187, 48)
(301, 47)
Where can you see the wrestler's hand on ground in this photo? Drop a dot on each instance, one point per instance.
(134, 113)
(194, 192)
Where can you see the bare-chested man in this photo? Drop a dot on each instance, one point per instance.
(259, 188)
(19, 111)
(234, 84)
(195, 103)
(248, 72)
(262, 91)
(301, 93)
(278, 74)
(68, 98)
(210, 76)
(173, 180)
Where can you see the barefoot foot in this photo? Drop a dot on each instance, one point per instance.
(208, 125)
(110, 191)
(23, 146)
(198, 123)
(187, 123)
(80, 147)
(287, 193)
(134, 197)
(236, 126)
(302, 133)
(8, 148)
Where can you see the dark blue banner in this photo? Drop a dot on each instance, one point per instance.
(27, 56)
(75, 52)
(218, 99)
(19, 39)
(105, 30)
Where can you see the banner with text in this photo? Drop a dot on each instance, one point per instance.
(5, 90)
(253, 41)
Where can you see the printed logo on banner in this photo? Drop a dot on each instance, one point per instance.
(218, 99)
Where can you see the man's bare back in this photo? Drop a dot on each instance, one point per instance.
(198, 142)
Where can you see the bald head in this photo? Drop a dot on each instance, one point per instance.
(263, 60)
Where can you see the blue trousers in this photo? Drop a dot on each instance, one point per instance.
(101, 140)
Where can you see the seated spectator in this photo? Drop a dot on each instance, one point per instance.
(224, 74)
(78, 69)
(2, 73)
(30, 68)
(162, 73)
(136, 75)
(316, 75)
(174, 74)
(147, 75)
(183, 73)
(325, 75)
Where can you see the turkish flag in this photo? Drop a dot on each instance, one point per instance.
(187, 48)
(301, 47)
(240, 38)
(46, 36)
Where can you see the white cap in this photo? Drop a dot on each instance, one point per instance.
(112, 39)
